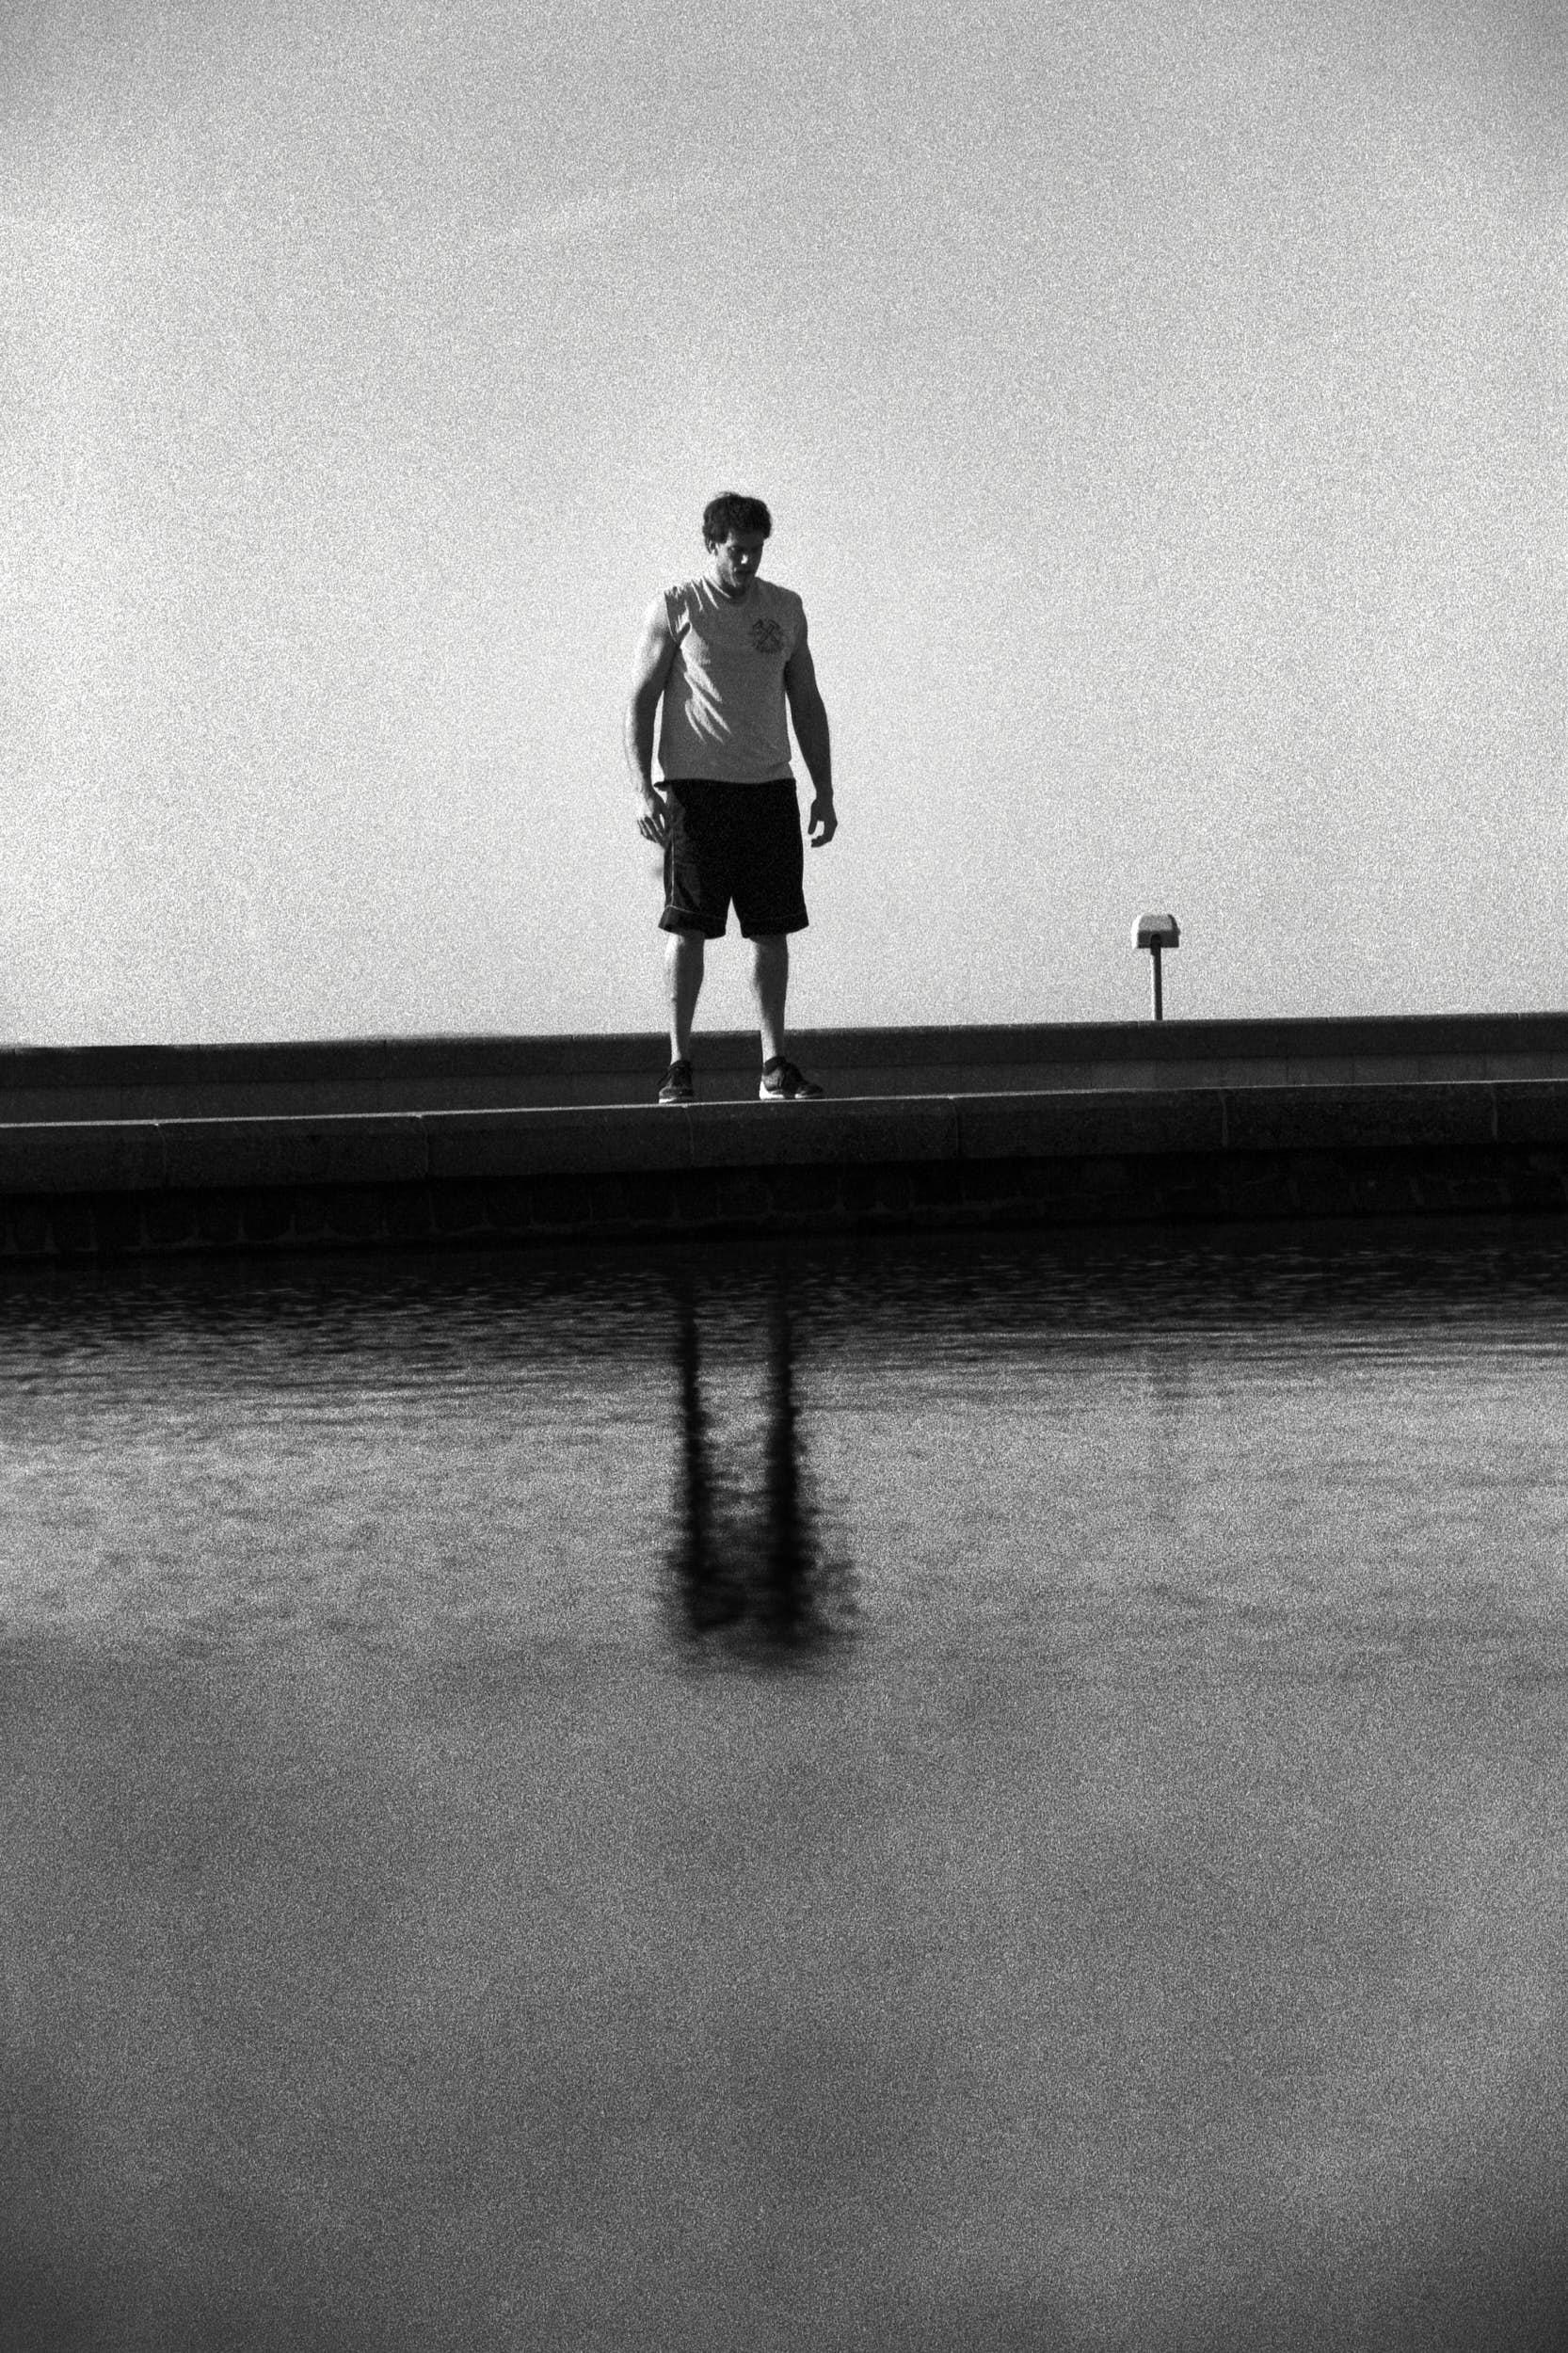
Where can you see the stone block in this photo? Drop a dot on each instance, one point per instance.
(696, 1200)
(1260, 1189)
(268, 1217)
(1082, 1126)
(1039, 1184)
(168, 1220)
(219, 1219)
(935, 1185)
(459, 1209)
(28, 1228)
(253, 1155)
(1479, 1192)
(582, 1141)
(509, 1206)
(858, 1192)
(560, 1201)
(311, 1220)
(864, 1129)
(654, 1196)
(1383, 1189)
(1103, 1178)
(1385, 1071)
(745, 1198)
(1456, 1184)
(1319, 1186)
(71, 1229)
(118, 1225)
(895, 1196)
(81, 1156)
(1189, 1196)
(1150, 1191)
(1343, 1184)
(356, 1213)
(1339, 1119)
(1538, 1183)
(807, 1191)
(409, 1215)
(1039, 1194)
(612, 1201)
(1532, 1111)
(1011, 1191)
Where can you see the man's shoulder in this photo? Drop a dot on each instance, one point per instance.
(681, 603)
(782, 611)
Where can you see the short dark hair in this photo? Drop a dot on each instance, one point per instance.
(732, 511)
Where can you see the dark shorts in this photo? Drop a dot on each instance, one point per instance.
(733, 842)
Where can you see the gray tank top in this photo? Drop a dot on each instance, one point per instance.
(724, 712)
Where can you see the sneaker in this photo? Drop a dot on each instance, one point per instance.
(783, 1083)
(678, 1087)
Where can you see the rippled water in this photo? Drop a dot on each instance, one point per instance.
(1363, 1450)
(920, 1794)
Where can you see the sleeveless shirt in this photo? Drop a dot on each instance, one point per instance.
(724, 714)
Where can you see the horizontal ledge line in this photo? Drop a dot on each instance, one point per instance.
(353, 1148)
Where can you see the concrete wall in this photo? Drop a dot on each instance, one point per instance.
(107, 1188)
(42, 1083)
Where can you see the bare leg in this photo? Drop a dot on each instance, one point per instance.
(770, 979)
(682, 983)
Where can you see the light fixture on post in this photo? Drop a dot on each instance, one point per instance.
(1157, 933)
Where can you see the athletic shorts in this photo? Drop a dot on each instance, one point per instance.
(733, 842)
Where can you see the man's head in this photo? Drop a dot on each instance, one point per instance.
(734, 531)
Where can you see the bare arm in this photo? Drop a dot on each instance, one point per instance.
(651, 669)
(810, 714)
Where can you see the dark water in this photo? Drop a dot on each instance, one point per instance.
(935, 1795)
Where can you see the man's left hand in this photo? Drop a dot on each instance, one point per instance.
(822, 815)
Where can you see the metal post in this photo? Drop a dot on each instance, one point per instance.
(1157, 933)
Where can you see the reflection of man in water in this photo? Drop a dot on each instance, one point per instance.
(767, 1576)
(726, 652)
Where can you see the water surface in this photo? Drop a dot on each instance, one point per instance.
(923, 1794)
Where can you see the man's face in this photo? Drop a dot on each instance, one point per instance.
(733, 561)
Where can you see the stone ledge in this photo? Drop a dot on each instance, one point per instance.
(851, 1129)
(144, 1156)
(119, 1156)
(1175, 1189)
(586, 1139)
(207, 1155)
(1530, 1110)
(1012, 1126)
(1413, 1116)
(326, 1076)
(108, 1188)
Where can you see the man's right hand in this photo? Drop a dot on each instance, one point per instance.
(652, 819)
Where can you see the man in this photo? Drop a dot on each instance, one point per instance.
(727, 652)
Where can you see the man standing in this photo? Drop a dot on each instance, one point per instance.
(727, 651)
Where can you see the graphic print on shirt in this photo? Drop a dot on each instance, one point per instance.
(767, 636)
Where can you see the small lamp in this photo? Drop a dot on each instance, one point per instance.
(1157, 933)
